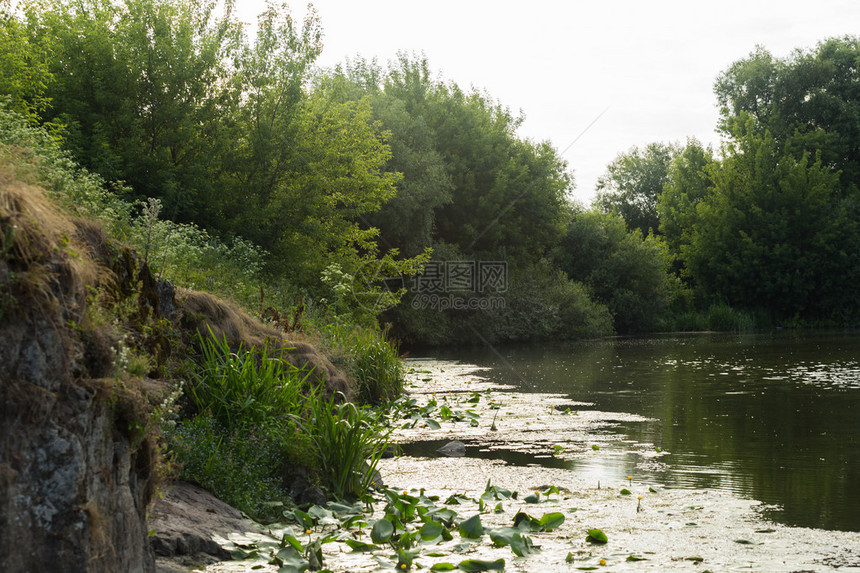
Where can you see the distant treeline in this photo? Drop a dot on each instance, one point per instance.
(349, 180)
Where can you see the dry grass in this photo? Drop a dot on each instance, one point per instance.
(42, 258)
(205, 312)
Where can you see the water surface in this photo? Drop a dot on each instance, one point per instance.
(772, 417)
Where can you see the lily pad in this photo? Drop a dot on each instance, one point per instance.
(596, 536)
(472, 528)
(481, 565)
(382, 531)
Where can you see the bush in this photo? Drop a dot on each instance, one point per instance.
(240, 466)
(368, 357)
(724, 318)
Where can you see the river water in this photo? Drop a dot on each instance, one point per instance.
(772, 417)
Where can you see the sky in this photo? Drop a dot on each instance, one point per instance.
(594, 78)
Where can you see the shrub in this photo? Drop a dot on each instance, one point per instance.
(240, 466)
(722, 317)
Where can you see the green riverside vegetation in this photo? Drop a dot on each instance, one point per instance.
(335, 201)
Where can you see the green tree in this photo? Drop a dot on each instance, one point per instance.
(633, 182)
(689, 182)
(623, 270)
(406, 221)
(770, 236)
(807, 102)
(143, 87)
(24, 71)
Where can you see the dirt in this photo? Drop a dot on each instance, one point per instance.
(668, 529)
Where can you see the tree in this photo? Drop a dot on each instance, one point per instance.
(689, 182)
(771, 234)
(633, 182)
(621, 269)
(808, 102)
(142, 86)
(24, 71)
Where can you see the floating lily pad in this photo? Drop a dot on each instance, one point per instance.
(596, 536)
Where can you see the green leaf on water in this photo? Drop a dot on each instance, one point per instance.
(569, 558)
(295, 543)
(471, 528)
(481, 565)
(595, 447)
(292, 561)
(431, 530)
(360, 546)
(744, 542)
(766, 531)
(523, 519)
(502, 536)
(432, 424)
(533, 498)
(596, 536)
(652, 490)
(443, 567)
(695, 558)
(551, 521)
(382, 531)
(625, 491)
(521, 545)
(633, 558)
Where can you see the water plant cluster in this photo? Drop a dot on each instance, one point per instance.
(411, 527)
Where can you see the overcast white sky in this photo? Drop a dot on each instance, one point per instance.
(650, 65)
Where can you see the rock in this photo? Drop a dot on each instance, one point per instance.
(455, 449)
(75, 475)
(183, 521)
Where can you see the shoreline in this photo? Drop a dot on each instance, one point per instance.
(675, 529)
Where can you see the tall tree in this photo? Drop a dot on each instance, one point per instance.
(633, 182)
(770, 236)
(689, 182)
(809, 101)
(24, 71)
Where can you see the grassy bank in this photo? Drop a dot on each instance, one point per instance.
(232, 413)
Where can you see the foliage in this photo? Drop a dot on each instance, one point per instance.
(806, 101)
(775, 214)
(349, 441)
(24, 71)
(633, 182)
(240, 465)
(688, 183)
(621, 269)
(247, 386)
(723, 318)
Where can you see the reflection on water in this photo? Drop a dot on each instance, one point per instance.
(772, 417)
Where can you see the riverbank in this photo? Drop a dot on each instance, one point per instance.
(652, 528)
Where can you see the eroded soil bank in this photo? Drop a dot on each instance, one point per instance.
(663, 529)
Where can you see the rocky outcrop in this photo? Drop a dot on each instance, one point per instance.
(183, 521)
(76, 472)
(79, 452)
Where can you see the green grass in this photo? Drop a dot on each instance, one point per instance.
(255, 413)
(349, 441)
(240, 466)
(247, 386)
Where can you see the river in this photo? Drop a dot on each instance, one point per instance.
(771, 417)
